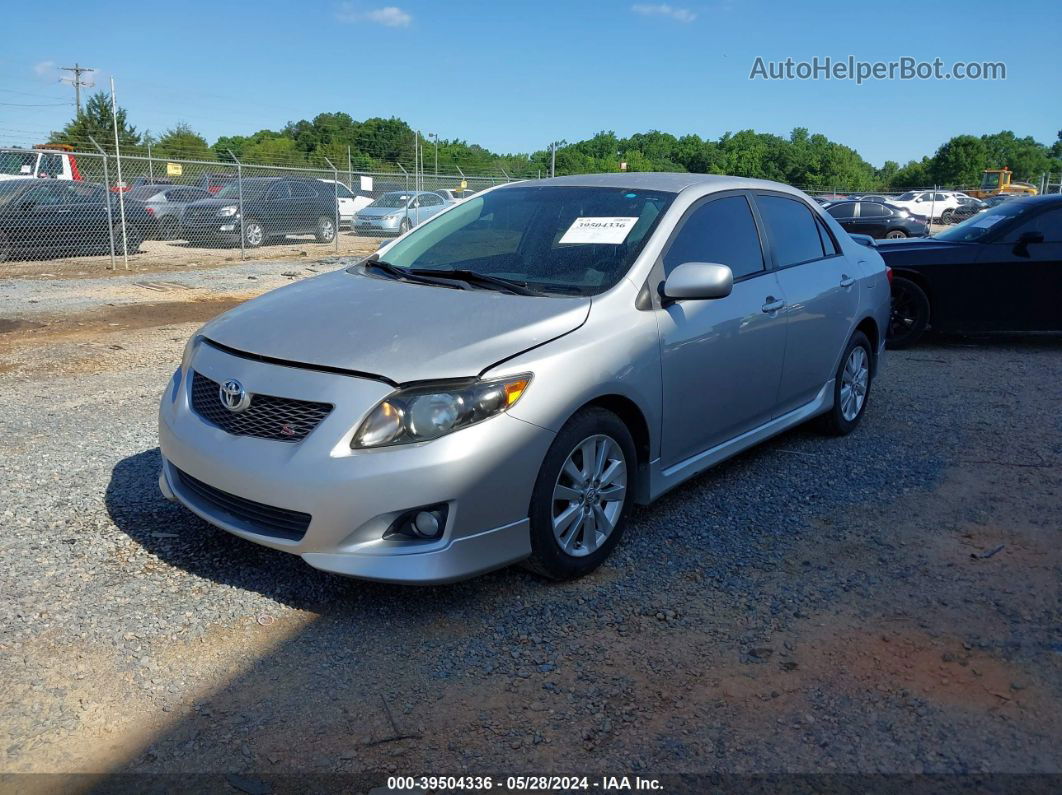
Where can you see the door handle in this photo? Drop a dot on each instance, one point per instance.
(846, 280)
(772, 305)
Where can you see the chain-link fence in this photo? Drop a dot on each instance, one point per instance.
(58, 203)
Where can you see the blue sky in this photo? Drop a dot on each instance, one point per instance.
(514, 75)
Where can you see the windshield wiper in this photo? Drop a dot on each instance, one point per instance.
(402, 274)
(478, 279)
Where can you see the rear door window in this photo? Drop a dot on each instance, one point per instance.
(791, 229)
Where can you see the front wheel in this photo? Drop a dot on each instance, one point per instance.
(253, 233)
(908, 315)
(582, 495)
(851, 387)
(326, 229)
(405, 226)
(896, 234)
(947, 217)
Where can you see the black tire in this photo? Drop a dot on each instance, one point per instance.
(908, 316)
(405, 226)
(169, 228)
(834, 422)
(254, 234)
(5, 247)
(547, 557)
(947, 217)
(132, 239)
(326, 229)
(895, 234)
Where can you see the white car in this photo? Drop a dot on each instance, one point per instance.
(54, 164)
(930, 204)
(349, 202)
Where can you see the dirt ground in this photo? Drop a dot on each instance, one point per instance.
(159, 256)
(910, 627)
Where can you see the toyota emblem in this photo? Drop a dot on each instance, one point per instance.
(233, 396)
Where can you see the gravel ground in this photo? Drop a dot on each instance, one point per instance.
(887, 602)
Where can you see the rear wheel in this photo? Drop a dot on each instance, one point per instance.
(170, 228)
(581, 499)
(909, 314)
(896, 234)
(947, 217)
(131, 240)
(851, 388)
(326, 229)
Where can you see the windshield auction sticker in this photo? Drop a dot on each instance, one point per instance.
(989, 220)
(606, 230)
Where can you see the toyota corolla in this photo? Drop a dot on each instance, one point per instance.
(502, 383)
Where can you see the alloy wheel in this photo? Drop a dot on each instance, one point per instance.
(589, 495)
(903, 312)
(854, 380)
(254, 234)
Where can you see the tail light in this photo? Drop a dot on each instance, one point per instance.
(888, 273)
(150, 210)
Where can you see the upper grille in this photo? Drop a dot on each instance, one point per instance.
(265, 519)
(268, 417)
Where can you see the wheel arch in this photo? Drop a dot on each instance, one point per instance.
(634, 418)
(869, 327)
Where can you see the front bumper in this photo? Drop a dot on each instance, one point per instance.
(388, 225)
(484, 473)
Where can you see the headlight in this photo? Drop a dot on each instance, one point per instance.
(421, 413)
(228, 212)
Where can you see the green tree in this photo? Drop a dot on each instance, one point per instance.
(181, 141)
(97, 121)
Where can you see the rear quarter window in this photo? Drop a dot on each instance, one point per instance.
(792, 230)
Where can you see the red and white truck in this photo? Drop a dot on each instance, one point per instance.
(47, 161)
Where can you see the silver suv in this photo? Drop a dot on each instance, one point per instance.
(502, 383)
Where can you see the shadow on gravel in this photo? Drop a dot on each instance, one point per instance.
(181, 539)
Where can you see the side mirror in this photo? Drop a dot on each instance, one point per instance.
(1021, 248)
(698, 280)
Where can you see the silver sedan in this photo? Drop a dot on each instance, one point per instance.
(504, 382)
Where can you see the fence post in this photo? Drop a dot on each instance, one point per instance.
(507, 178)
(106, 196)
(239, 189)
(350, 171)
(404, 172)
(151, 165)
(335, 184)
(121, 191)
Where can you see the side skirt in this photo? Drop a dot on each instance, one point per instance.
(663, 480)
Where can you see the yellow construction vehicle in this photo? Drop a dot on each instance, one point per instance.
(998, 180)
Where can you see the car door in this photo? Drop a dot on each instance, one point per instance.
(92, 224)
(721, 359)
(306, 206)
(1016, 285)
(845, 214)
(46, 219)
(819, 285)
(873, 219)
(346, 203)
(278, 212)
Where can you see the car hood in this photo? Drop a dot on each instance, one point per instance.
(924, 250)
(379, 212)
(397, 330)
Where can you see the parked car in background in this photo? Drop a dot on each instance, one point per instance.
(871, 197)
(47, 218)
(58, 162)
(504, 382)
(349, 201)
(212, 183)
(272, 207)
(397, 212)
(877, 219)
(967, 207)
(930, 204)
(456, 195)
(999, 270)
(164, 205)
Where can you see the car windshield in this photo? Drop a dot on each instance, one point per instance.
(13, 163)
(251, 189)
(574, 240)
(398, 199)
(990, 180)
(978, 226)
(145, 191)
(906, 197)
(9, 189)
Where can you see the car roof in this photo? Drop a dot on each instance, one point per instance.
(1050, 198)
(666, 181)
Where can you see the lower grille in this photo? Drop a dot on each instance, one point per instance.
(267, 417)
(264, 519)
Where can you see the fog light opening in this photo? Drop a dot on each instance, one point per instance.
(425, 524)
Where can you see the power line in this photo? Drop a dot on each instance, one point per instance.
(76, 81)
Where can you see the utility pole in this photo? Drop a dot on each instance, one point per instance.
(76, 81)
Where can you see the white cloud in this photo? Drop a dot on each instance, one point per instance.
(44, 69)
(683, 15)
(388, 16)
